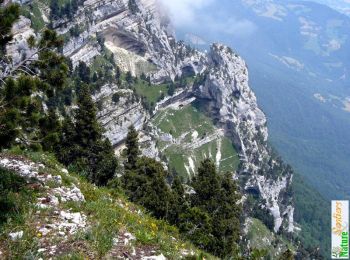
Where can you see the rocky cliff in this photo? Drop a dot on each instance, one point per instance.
(140, 38)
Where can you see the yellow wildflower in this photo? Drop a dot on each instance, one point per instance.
(154, 225)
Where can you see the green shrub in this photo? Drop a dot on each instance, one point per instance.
(14, 196)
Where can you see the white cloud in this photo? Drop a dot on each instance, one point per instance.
(184, 12)
(203, 13)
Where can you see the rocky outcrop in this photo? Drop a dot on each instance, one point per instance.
(119, 109)
(53, 194)
(234, 107)
(143, 34)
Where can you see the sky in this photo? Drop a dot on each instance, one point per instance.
(191, 14)
(184, 12)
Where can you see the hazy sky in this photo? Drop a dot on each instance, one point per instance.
(184, 12)
(187, 14)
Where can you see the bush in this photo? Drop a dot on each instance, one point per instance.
(14, 196)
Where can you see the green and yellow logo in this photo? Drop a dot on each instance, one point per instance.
(340, 230)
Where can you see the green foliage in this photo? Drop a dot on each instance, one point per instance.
(116, 97)
(83, 72)
(8, 16)
(217, 196)
(129, 78)
(312, 213)
(171, 89)
(82, 143)
(132, 148)
(209, 218)
(68, 9)
(22, 112)
(133, 6)
(14, 196)
(197, 225)
(287, 255)
(146, 185)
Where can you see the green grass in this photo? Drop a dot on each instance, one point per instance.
(261, 238)
(183, 123)
(180, 121)
(15, 214)
(109, 213)
(151, 92)
(34, 13)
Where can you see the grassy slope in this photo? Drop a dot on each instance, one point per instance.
(108, 212)
(182, 124)
(261, 237)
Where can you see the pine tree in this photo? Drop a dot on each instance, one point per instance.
(133, 6)
(132, 149)
(83, 145)
(117, 73)
(179, 203)
(227, 225)
(145, 184)
(287, 255)
(207, 186)
(196, 224)
(50, 127)
(218, 196)
(83, 72)
(88, 130)
(129, 78)
(66, 149)
(104, 169)
(8, 16)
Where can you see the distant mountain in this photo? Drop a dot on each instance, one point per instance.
(342, 6)
(299, 59)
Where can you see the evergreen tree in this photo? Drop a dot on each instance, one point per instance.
(132, 149)
(133, 6)
(55, 10)
(83, 72)
(88, 130)
(207, 186)
(196, 224)
(66, 149)
(171, 89)
(117, 73)
(217, 196)
(287, 255)
(226, 226)
(179, 203)
(50, 127)
(8, 16)
(145, 184)
(83, 145)
(129, 78)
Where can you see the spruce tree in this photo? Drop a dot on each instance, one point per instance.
(227, 225)
(132, 148)
(88, 130)
(129, 78)
(8, 16)
(83, 145)
(207, 186)
(50, 127)
(287, 255)
(217, 196)
(145, 184)
(179, 203)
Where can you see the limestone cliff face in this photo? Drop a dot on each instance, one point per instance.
(234, 106)
(143, 36)
(142, 41)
